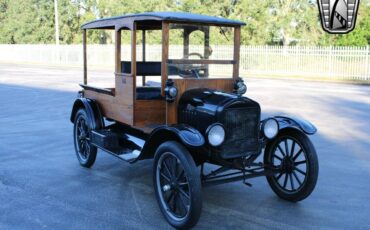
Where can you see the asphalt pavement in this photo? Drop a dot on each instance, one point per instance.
(42, 185)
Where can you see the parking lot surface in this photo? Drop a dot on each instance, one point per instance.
(43, 186)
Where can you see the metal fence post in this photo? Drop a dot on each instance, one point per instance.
(367, 74)
(331, 62)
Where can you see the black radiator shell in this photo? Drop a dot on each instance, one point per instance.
(240, 116)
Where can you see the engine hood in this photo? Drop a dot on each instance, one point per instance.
(201, 107)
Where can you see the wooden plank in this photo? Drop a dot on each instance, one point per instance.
(207, 49)
(133, 68)
(186, 40)
(150, 112)
(133, 51)
(133, 57)
(236, 52)
(143, 40)
(200, 61)
(191, 23)
(84, 55)
(121, 106)
(123, 75)
(98, 90)
(112, 107)
(118, 51)
(125, 90)
(165, 47)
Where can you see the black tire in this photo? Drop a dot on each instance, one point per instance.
(176, 179)
(298, 163)
(86, 153)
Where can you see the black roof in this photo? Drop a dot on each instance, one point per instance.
(119, 21)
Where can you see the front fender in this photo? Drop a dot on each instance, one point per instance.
(297, 123)
(185, 134)
(188, 135)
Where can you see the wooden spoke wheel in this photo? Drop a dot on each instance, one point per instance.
(177, 185)
(293, 153)
(86, 153)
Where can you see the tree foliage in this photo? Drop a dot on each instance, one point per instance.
(285, 22)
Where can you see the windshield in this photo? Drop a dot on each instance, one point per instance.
(200, 51)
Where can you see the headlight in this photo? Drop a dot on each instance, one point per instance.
(170, 91)
(215, 134)
(270, 128)
(239, 87)
(242, 88)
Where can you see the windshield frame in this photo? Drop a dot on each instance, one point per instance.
(165, 51)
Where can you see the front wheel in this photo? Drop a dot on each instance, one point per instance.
(177, 185)
(294, 154)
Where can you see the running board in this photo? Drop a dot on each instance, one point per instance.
(124, 146)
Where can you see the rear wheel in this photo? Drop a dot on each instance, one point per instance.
(294, 154)
(177, 185)
(86, 153)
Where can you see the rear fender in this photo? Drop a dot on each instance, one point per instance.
(92, 109)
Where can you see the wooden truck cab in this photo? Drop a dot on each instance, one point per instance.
(127, 103)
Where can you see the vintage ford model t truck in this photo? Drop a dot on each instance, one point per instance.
(195, 114)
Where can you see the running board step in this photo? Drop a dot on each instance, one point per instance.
(123, 146)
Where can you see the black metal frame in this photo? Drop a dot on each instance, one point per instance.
(248, 174)
(249, 170)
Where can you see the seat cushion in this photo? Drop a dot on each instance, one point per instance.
(148, 68)
(143, 68)
(148, 93)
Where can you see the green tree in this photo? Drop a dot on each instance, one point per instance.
(286, 22)
(27, 21)
(69, 21)
(279, 21)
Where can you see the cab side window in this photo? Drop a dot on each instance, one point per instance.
(148, 64)
(100, 61)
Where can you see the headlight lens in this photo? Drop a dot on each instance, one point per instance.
(241, 88)
(172, 91)
(215, 134)
(270, 128)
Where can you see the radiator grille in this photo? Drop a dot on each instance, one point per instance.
(241, 126)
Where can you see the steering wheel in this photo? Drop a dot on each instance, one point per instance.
(196, 54)
(191, 70)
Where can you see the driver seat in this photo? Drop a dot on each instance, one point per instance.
(148, 93)
(147, 69)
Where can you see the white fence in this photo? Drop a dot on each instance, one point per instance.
(348, 63)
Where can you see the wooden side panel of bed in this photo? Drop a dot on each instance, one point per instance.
(120, 106)
(150, 113)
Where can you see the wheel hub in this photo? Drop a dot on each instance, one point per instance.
(288, 164)
(166, 187)
(174, 185)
